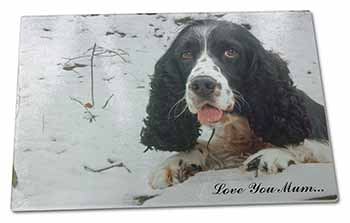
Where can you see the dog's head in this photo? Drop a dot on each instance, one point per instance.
(215, 57)
(217, 67)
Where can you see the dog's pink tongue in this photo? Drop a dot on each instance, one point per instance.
(209, 114)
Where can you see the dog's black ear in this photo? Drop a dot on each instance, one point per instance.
(169, 125)
(277, 109)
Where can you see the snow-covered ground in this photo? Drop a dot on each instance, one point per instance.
(54, 140)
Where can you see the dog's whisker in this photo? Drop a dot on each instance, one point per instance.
(175, 106)
(183, 111)
(239, 106)
(240, 97)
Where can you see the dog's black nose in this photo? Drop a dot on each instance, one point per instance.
(203, 85)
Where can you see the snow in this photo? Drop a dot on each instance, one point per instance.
(53, 140)
(200, 190)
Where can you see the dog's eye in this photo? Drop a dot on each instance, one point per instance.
(231, 53)
(186, 55)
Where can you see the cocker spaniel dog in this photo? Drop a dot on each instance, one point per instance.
(217, 74)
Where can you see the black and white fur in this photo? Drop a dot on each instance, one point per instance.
(253, 84)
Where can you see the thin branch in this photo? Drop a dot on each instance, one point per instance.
(143, 198)
(78, 101)
(92, 116)
(107, 168)
(107, 101)
(69, 59)
(123, 51)
(92, 74)
(110, 161)
(108, 79)
(121, 57)
(99, 51)
(115, 53)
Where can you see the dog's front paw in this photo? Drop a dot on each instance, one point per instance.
(270, 161)
(174, 170)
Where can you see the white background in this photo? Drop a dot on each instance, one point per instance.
(332, 28)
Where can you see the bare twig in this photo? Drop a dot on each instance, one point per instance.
(100, 51)
(107, 168)
(60, 152)
(108, 79)
(110, 161)
(107, 101)
(123, 51)
(69, 59)
(120, 55)
(78, 101)
(91, 117)
(143, 198)
(92, 74)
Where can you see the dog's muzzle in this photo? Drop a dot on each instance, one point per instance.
(203, 86)
(208, 93)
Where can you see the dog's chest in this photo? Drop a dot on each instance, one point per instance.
(232, 143)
